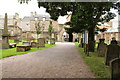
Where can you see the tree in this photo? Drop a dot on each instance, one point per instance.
(38, 29)
(50, 29)
(84, 15)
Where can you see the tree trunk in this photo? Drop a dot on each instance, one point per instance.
(50, 37)
(91, 39)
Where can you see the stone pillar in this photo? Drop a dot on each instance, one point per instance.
(5, 42)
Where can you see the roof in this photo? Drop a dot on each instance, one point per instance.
(102, 26)
(113, 30)
(40, 17)
(14, 26)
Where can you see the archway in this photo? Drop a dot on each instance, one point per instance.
(70, 37)
(65, 37)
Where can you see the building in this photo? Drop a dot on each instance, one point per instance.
(112, 31)
(26, 28)
(13, 25)
(28, 25)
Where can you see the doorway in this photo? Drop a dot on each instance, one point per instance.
(70, 37)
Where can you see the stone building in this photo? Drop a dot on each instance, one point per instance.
(13, 25)
(26, 28)
(29, 28)
(112, 31)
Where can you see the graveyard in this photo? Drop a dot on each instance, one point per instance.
(71, 40)
(12, 51)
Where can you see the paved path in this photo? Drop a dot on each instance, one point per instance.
(61, 61)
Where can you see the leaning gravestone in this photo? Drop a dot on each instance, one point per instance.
(115, 69)
(5, 42)
(113, 51)
(41, 42)
(102, 48)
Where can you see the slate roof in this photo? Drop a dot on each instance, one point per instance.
(40, 17)
(113, 30)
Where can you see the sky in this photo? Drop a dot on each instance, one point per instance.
(13, 6)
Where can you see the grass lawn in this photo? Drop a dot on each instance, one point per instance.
(12, 51)
(96, 64)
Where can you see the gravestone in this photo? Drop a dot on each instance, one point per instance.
(16, 41)
(5, 35)
(52, 41)
(41, 42)
(113, 51)
(119, 43)
(102, 48)
(33, 44)
(26, 43)
(115, 69)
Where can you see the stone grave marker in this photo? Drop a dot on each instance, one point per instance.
(34, 44)
(26, 43)
(16, 41)
(113, 51)
(119, 43)
(115, 69)
(102, 48)
(5, 42)
(52, 41)
(41, 42)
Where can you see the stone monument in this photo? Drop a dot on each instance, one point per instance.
(113, 51)
(102, 48)
(5, 35)
(115, 69)
(41, 42)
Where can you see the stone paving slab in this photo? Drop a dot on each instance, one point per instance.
(61, 61)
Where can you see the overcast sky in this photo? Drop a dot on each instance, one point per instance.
(12, 6)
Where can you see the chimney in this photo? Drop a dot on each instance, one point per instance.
(31, 13)
(35, 13)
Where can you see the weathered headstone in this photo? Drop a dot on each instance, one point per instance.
(26, 43)
(113, 51)
(5, 42)
(115, 69)
(16, 41)
(33, 44)
(119, 43)
(52, 41)
(41, 42)
(102, 48)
